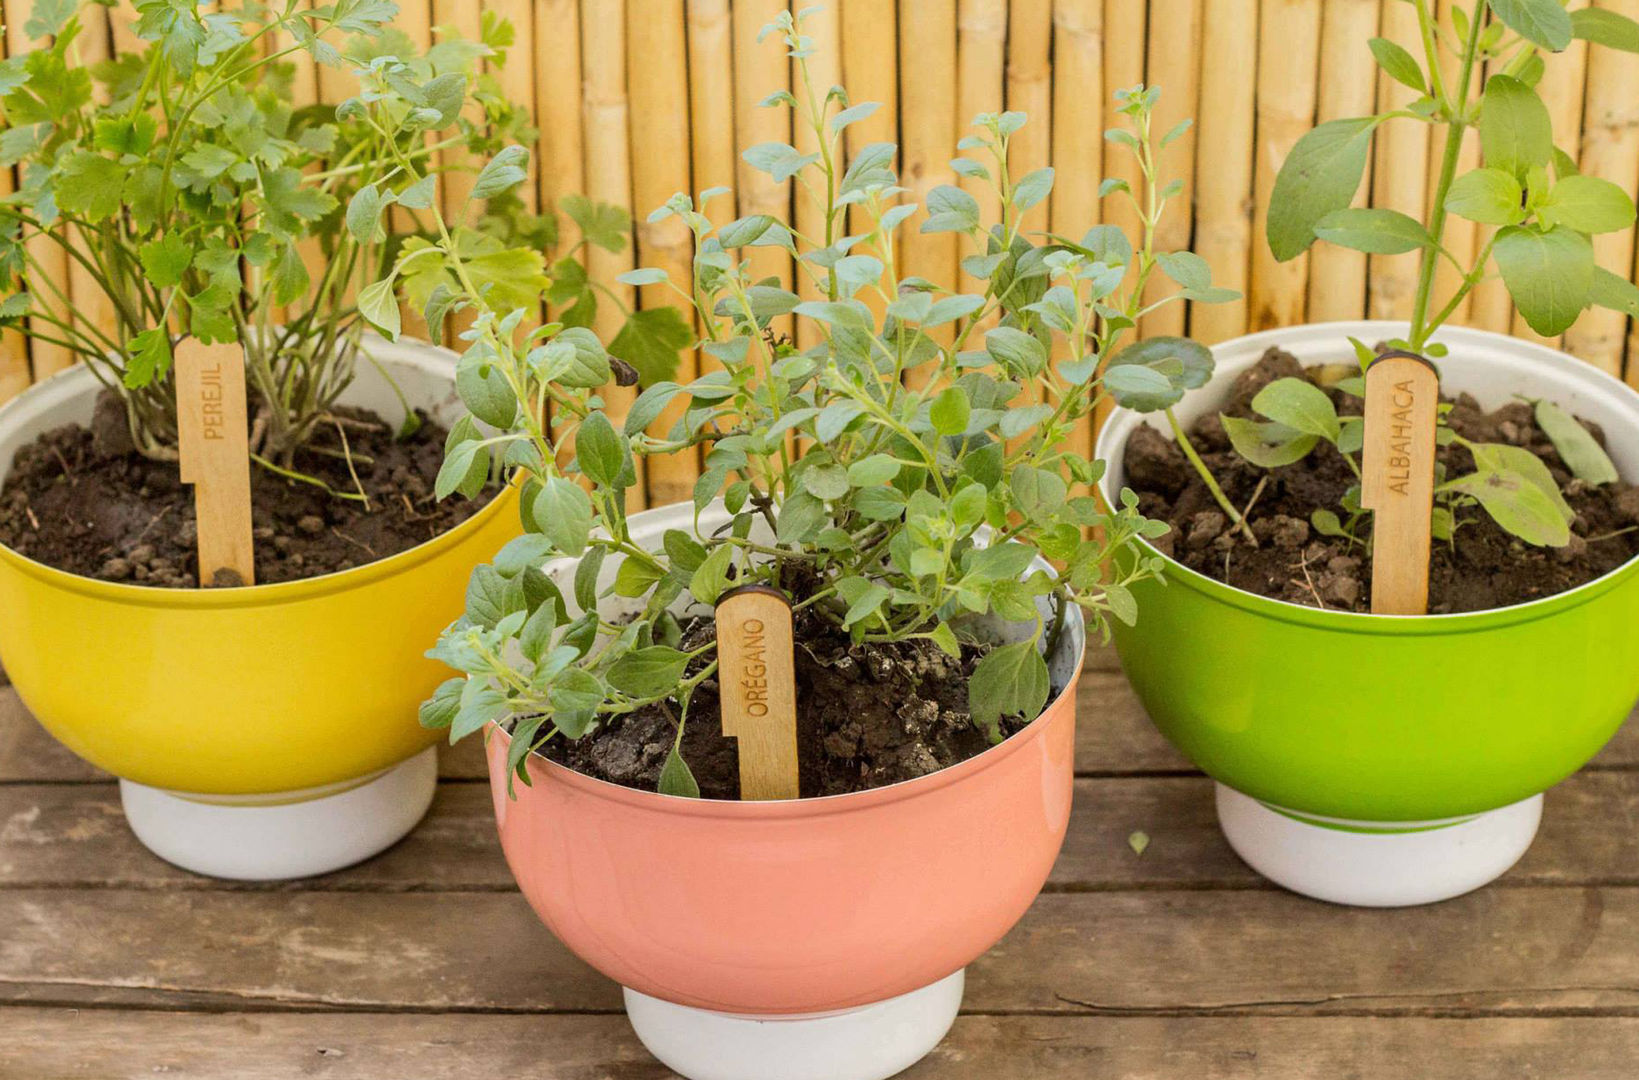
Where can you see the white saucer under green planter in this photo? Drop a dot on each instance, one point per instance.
(1388, 760)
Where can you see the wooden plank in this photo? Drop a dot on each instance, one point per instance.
(1078, 138)
(1288, 48)
(262, 1046)
(1223, 190)
(73, 836)
(928, 134)
(1348, 85)
(823, 27)
(1462, 238)
(981, 81)
(761, 69)
(1500, 951)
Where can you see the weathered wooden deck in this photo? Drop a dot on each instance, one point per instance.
(1177, 963)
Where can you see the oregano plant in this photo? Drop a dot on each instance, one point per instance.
(886, 477)
(1540, 212)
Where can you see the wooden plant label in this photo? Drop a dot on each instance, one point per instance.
(759, 689)
(1397, 482)
(210, 414)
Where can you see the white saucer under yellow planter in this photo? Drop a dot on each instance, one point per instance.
(300, 694)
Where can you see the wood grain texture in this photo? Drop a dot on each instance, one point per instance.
(757, 674)
(260, 1046)
(1174, 65)
(1288, 51)
(1348, 87)
(1399, 172)
(212, 440)
(1397, 479)
(928, 134)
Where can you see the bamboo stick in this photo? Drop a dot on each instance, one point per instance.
(517, 79)
(92, 304)
(1030, 91)
(1078, 141)
(14, 367)
(927, 94)
(1610, 149)
(1223, 188)
(415, 19)
(51, 261)
(122, 19)
(1288, 51)
(558, 107)
(870, 71)
(657, 80)
(1337, 276)
(455, 185)
(711, 111)
(1462, 238)
(609, 180)
(981, 87)
(1124, 29)
(1399, 172)
(1174, 65)
(823, 26)
(1561, 90)
(761, 69)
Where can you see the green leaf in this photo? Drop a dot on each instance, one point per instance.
(1588, 205)
(378, 304)
(801, 518)
(165, 260)
(1186, 268)
(1605, 27)
(491, 596)
(1300, 405)
(648, 673)
(1550, 275)
(1020, 354)
(364, 213)
(1320, 175)
(90, 185)
(950, 411)
(505, 171)
(485, 391)
(710, 579)
(439, 710)
(1488, 196)
(148, 357)
(950, 209)
(480, 705)
(590, 366)
(1518, 506)
(1032, 189)
(536, 634)
(1007, 681)
(1501, 457)
(290, 277)
(564, 513)
(676, 779)
(1577, 447)
(1182, 363)
(650, 342)
(1544, 22)
(1398, 63)
(602, 224)
(600, 450)
(465, 467)
(1515, 129)
(876, 469)
(944, 637)
(1615, 292)
(635, 577)
(1374, 231)
(1270, 445)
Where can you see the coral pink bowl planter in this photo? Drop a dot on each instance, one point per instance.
(791, 907)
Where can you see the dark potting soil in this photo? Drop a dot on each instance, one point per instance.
(79, 500)
(867, 716)
(1487, 568)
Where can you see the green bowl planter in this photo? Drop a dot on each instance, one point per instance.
(1389, 760)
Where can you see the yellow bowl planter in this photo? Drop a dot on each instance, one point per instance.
(264, 732)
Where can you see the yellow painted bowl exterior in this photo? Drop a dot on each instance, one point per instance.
(273, 688)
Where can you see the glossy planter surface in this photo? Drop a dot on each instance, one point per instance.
(1391, 718)
(803, 906)
(240, 691)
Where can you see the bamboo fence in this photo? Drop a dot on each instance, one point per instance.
(638, 99)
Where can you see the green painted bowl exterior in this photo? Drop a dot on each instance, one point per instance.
(1393, 718)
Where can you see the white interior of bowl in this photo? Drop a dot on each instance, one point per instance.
(424, 373)
(1494, 368)
(647, 529)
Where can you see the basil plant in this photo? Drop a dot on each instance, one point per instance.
(900, 476)
(1540, 213)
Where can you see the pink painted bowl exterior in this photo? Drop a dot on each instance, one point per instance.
(805, 906)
